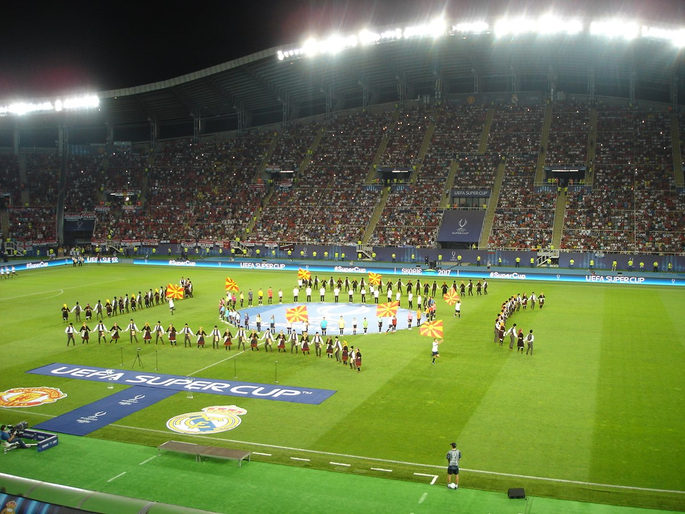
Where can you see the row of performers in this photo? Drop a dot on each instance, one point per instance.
(121, 305)
(299, 343)
(514, 304)
(417, 286)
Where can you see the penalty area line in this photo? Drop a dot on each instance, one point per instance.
(148, 460)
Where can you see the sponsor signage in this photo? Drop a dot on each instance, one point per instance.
(91, 417)
(461, 226)
(470, 193)
(563, 277)
(175, 383)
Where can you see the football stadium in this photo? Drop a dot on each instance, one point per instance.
(352, 273)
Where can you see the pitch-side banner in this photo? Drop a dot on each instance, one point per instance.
(177, 383)
(461, 226)
(91, 417)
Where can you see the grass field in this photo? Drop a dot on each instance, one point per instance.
(596, 414)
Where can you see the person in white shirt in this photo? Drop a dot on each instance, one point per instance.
(350, 296)
(216, 337)
(375, 295)
(132, 330)
(308, 292)
(398, 296)
(187, 333)
(457, 309)
(337, 348)
(410, 299)
(100, 328)
(322, 294)
(296, 293)
(435, 351)
(172, 307)
(362, 291)
(529, 342)
(336, 293)
(280, 296)
(70, 331)
(159, 332)
(268, 339)
(389, 294)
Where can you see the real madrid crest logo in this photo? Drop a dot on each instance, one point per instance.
(30, 396)
(210, 420)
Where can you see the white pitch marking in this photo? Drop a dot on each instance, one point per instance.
(339, 464)
(434, 477)
(260, 453)
(148, 460)
(423, 497)
(119, 475)
(59, 292)
(333, 454)
(214, 364)
(300, 458)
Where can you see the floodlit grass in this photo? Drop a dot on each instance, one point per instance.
(601, 401)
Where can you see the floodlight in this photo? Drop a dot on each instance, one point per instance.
(471, 27)
(514, 26)
(615, 29)
(675, 36)
(550, 24)
(280, 55)
(392, 34)
(367, 37)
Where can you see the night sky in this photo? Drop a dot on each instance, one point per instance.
(57, 47)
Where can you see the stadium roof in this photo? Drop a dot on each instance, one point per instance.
(256, 87)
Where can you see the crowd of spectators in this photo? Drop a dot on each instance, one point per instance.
(633, 205)
(524, 217)
(568, 136)
(211, 190)
(328, 202)
(516, 129)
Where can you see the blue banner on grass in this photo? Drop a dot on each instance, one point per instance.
(91, 417)
(175, 383)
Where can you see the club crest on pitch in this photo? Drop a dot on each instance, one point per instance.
(211, 420)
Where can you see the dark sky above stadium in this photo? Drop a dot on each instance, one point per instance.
(56, 47)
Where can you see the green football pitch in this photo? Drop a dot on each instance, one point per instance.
(595, 415)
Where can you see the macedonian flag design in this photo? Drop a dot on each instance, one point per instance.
(431, 329)
(304, 274)
(451, 296)
(387, 310)
(174, 291)
(374, 278)
(231, 285)
(297, 314)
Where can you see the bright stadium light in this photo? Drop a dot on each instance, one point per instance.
(434, 28)
(367, 37)
(471, 27)
(23, 108)
(514, 26)
(675, 36)
(615, 29)
(550, 24)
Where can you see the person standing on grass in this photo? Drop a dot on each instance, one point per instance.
(457, 309)
(101, 329)
(187, 332)
(216, 337)
(171, 331)
(453, 457)
(70, 331)
(435, 351)
(358, 360)
(529, 342)
(172, 307)
(519, 344)
(159, 332)
(132, 330)
(512, 336)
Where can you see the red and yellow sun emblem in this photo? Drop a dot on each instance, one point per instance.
(30, 396)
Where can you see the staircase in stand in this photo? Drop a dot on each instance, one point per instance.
(591, 148)
(425, 145)
(376, 215)
(449, 184)
(559, 216)
(492, 207)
